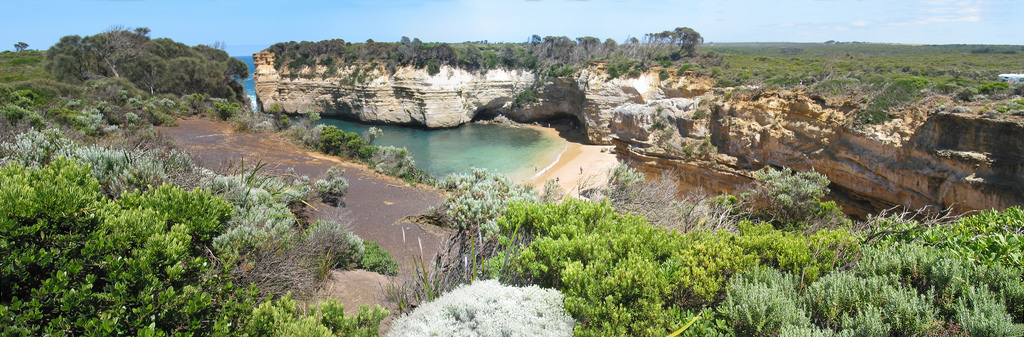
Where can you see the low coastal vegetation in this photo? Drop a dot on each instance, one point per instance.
(776, 260)
(106, 229)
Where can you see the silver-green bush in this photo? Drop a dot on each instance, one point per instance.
(477, 198)
(762, 302)
(333, 186)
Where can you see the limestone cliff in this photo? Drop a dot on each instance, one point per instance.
(454, 96)
(963, 161)
(714, 139)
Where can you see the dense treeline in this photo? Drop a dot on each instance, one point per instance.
(154, 65)
(548, 53)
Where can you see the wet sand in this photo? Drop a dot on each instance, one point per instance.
(580, 166)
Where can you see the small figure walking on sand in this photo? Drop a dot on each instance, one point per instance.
(556, 179)
(581, 169)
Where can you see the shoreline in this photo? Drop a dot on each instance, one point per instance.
(578, 167)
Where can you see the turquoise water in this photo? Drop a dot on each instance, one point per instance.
(248, 83)
(520, 152)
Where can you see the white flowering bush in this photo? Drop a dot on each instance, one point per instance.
(488, 308)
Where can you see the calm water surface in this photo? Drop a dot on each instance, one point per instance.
(520, 152)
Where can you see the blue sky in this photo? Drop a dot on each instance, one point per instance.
(249, 26)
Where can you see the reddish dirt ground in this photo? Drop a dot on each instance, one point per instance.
(376, 205)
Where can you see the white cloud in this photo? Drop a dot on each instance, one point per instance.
(944, 11)
(861, 23)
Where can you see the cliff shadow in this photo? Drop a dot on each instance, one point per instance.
(568, 127)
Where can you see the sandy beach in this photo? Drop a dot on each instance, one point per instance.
(580, 166)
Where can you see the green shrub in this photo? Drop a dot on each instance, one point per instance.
(808, 257)
(987, 237)
(283, 317)
(839, 295)
(86, 265)
(378, 260)
(981, 313)
(763, 301)
(620, 275)
(524, 98)
(992, 87)
(226, 111)
(202, 214)
(791, 200)
(487, 308)
(942, 274)
(335, 141)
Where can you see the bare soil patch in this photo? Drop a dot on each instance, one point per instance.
(378, 206)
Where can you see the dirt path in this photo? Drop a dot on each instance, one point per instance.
(375, 204)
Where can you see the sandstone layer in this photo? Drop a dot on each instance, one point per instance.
(710, 138)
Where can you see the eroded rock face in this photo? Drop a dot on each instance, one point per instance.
(682, 126)
(410, 96)
(940, 160)
(455, 96)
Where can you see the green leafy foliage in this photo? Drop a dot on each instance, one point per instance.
(83, 264)
(987, 237)
(791, 200)
(156, 65)
(388, 160)
(78, 263)
(554, 56)
(378, 260)
(620, 275)
(526, 97)
(808, 256)
(283, 317)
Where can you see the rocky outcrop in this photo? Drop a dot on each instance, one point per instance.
(712, 139)
(453, 96)
(938, 160)
(410, 96)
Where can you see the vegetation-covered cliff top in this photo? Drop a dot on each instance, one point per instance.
(881, 77)
(554, 55)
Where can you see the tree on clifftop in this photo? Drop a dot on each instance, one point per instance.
(20, 46)
(689, 39)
